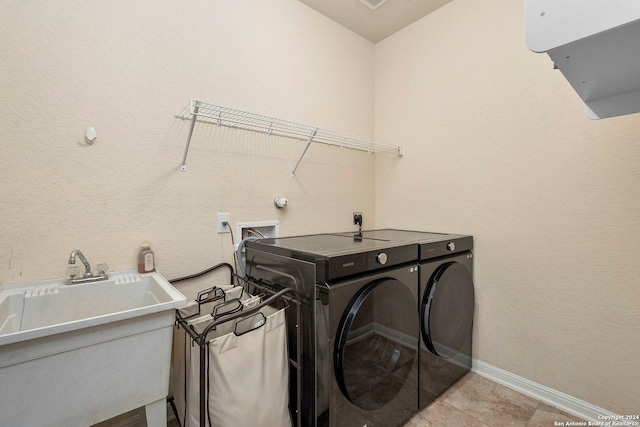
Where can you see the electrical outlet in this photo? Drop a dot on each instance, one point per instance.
(223, 218)
(357, 218)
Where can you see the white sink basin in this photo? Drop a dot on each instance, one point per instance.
(81, 354)
(31, 310)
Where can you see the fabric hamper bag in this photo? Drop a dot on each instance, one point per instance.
(184, 370)
(248, 373)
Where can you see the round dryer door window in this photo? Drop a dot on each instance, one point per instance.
(447, 313)
(376, 343)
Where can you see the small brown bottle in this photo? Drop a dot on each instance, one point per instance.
(146, 259)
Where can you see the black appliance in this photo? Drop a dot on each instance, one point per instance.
(447, 300)
(368, 326)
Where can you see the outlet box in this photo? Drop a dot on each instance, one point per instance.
(223, 217)
(259, 229)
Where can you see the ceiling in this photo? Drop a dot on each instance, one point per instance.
(375, 25)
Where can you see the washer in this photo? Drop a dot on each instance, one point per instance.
(447, 300)
(361, 326)
(374, 332)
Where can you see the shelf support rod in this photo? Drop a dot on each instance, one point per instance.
(194, 117)
(313, 134)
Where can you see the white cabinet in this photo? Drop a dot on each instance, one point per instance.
(596, 46)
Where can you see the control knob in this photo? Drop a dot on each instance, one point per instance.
(451, 246)
(381, 258)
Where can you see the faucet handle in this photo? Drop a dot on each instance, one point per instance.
(102, 268)
(73, 272)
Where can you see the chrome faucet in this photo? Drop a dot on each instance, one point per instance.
(88, 275)
(87, 266)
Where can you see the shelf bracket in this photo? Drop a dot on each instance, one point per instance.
(195, 106)
(309, 141)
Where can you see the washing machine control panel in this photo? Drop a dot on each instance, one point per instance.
(435, 249)
(391, 256)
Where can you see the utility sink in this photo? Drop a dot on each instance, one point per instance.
(81, 354)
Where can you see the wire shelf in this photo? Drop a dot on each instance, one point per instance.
(198, 111)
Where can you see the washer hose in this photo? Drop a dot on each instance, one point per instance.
(239, 253)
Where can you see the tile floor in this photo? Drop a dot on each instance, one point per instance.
(475, 401)
(479, 402)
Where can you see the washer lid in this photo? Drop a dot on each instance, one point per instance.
(447, 313)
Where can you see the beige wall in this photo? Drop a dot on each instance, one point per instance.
(496, 146)
(127, 68)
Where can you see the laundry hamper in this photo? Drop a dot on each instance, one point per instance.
(210, 304)
(232, 365)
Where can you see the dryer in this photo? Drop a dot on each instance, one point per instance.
(446, 314)
(373, 331)
(361, 326)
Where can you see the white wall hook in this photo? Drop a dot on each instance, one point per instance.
(90, 135)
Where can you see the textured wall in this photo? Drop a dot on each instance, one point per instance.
(127, 68)
(496, 145)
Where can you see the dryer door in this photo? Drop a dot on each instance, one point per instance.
(446, 314)
(376, 343)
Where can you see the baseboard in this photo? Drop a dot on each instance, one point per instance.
(562, 401)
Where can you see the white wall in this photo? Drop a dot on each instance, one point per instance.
(127, 68)
(496, 146)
